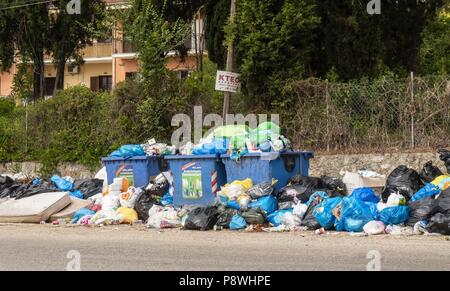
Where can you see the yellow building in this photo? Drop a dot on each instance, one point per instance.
(109, 62)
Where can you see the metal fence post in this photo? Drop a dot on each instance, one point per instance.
(413, 142)
(327, 100)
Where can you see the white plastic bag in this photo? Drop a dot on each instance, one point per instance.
(374, 227)
(243, 201)
(395, 200)
(128, 199)
(300, 210)
(163, 217)
(96, 199)
(290, 219)
(186, 150)
(233, 191)
(106, 217)
(111, 202)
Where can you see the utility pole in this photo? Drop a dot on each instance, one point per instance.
(230, 54)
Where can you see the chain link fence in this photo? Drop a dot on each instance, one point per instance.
(385, 115)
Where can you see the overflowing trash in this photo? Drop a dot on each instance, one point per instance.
(366, 203)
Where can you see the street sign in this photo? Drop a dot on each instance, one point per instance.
(228, 81)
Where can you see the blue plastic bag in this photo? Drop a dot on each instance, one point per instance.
(128, 151)
(80, 213)
(217, 146)
(237, 222)
(324, 212)
(78, 194)
(395, 215)
(355, 214)
(233, 204)
(61, 184)
(167, 199)
(276, 218)
(429, 190)
(265, 147)
(221, 145)
(365, 194)
(36, 181)
(267, 204)
(373, 208)
(237, 154)
(313, 197)
(204, 149)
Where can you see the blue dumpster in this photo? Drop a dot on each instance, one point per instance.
(196, 179)
(262, 167)
(137, 170)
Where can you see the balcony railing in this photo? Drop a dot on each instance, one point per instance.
(124, 47)
(97, 50)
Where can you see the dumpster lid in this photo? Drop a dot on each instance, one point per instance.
(193, 157)
(138, 158)
(262, 154)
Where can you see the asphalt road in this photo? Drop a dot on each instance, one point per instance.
(45, 247)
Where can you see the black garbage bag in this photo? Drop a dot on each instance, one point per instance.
(439, 223)
(308, 219)
(5, 182)
(309, 182)
(159, 188)
(19, 190)
(334, 185)
(89, 187)
(254, 216)
(422, 210)
(144, 202)
(429, 173)
(443, 201)
(202, 218)
(444, 155)
(297, 192)
(225, 216)
(260, 190)
(404, 181)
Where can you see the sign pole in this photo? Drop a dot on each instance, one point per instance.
(227, 95)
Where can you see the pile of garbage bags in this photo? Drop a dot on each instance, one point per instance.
(124, 204)
(411, 202)
(82, 188)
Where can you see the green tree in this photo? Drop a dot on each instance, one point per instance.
(24, 34)
(350, 40)
(435, 50)
(403, 23)
(217, 14)
(154, 36)
(274, 44)
(70, 33)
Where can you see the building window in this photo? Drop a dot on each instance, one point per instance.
(101, 83)
(130, 76)
(105, 83)
(50, 86)
(183, 74)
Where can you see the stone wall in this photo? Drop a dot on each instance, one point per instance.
(31, 169)
(381, 163)
(321, 165)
